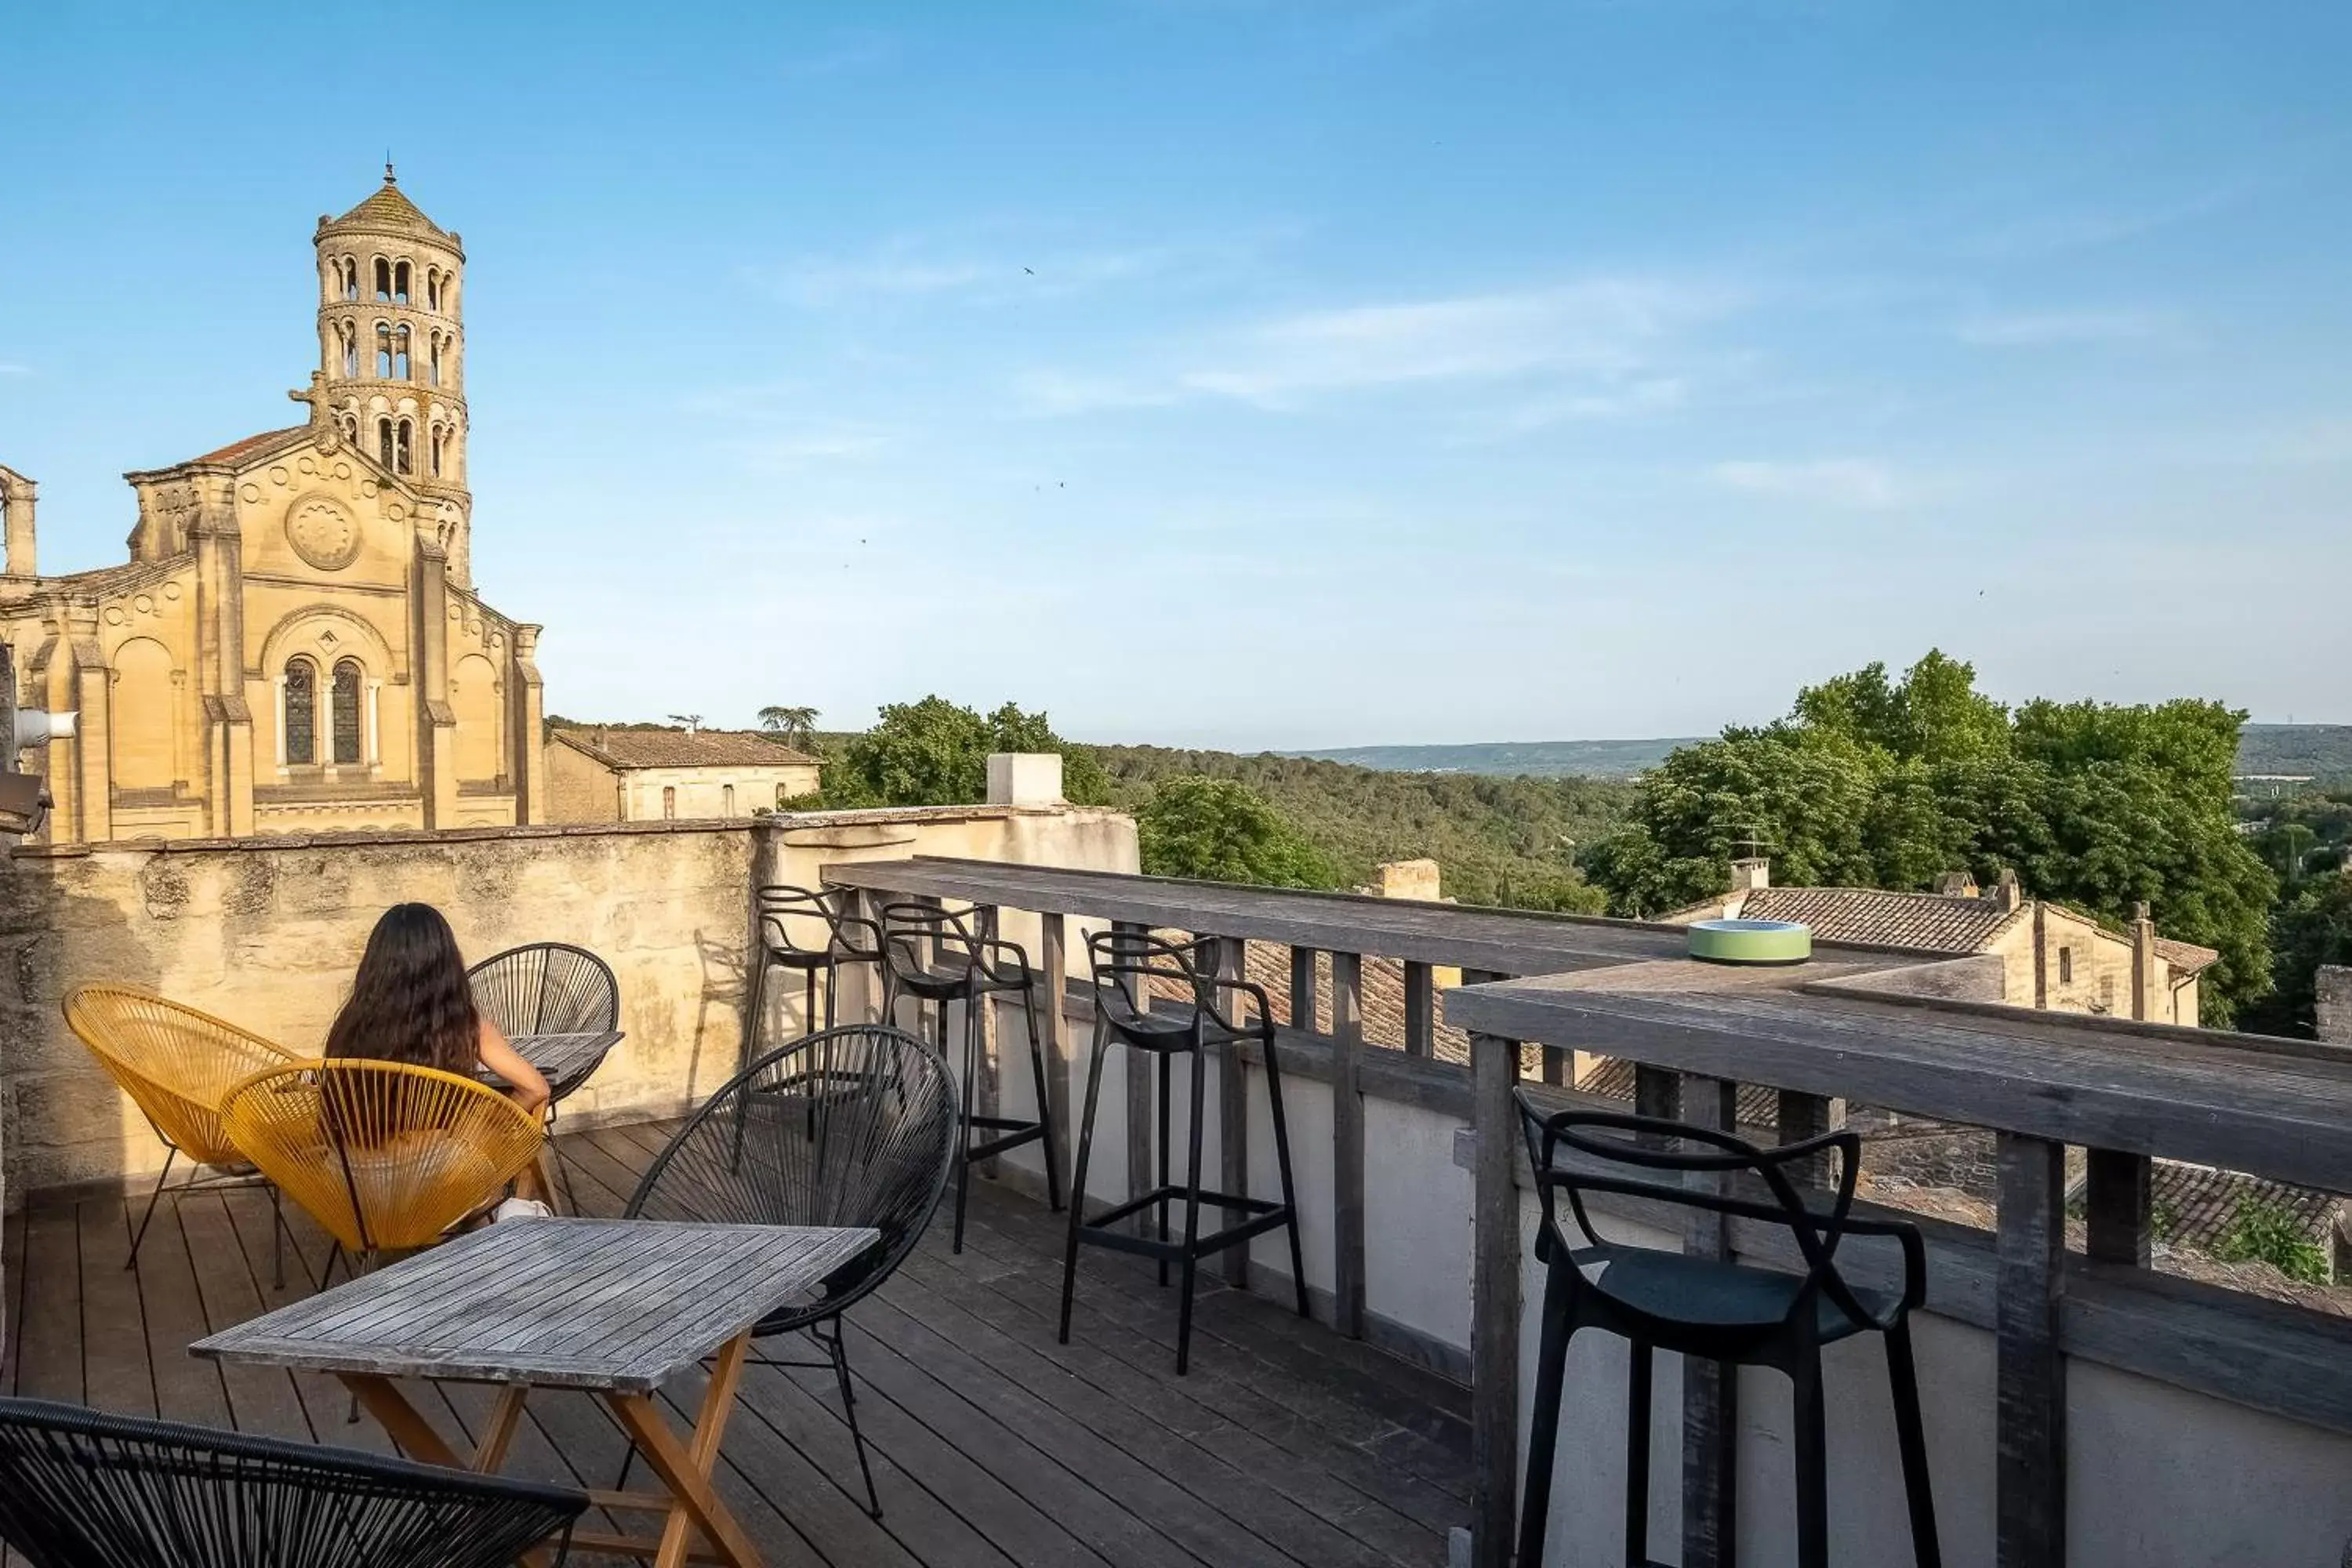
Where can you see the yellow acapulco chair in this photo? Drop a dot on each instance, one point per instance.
(177, 1065)
(386, 1157)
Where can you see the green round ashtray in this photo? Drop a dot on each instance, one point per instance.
(1751, 941)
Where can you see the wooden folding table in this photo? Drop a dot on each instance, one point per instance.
(611, 1307)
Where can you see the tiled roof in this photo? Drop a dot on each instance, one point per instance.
(1613, 1077)
(1383, 997)
(248, 447)
(2198, 1207)
(2185, 957)
(1927, 922)
(389, 206)
(677, 749)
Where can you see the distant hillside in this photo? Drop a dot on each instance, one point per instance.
(1533, 759)
(2319, 750)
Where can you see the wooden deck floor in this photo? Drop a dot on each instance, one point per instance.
(993, 1445)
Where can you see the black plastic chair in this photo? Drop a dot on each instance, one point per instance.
(934, 955)
(82, 1489)
(853, 1126)
(1731, 1313)
(1126, 964)
(550, 988)
(812, 932)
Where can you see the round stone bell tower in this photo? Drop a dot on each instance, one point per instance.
(392, 348)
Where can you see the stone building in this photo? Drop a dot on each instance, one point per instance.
(670, 775)
(2050, 956)
(295, 643)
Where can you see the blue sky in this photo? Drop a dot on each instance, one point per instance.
(1271, 374)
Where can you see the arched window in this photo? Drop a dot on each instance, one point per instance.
(350, 428)
(400, 353)
(404, 455)
(345, 705)
(384, 351)
(433, 287)
(437, 434)
(726, 800)
(301, 718)
(383, 279)
(349, 334)
(384, 442)
(350, 279)
(433, 370)
(669, 803)
(400, 282)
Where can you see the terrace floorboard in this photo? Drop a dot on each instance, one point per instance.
(992, 1444)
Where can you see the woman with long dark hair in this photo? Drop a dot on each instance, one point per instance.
(410, 1002)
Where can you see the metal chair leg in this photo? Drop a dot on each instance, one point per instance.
(1638, 1390)
(1543, 1436)
(839, 1347)
(1812, 1463)
(1044, 1100)
(1281, 1164)
(277, 1238)
(1911, 1438)
(1191, 1266)
(1078, 1176)
(963, 1113)
(1158, 1214)
(171, 1153)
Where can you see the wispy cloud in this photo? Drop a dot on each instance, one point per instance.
(1853, 484)
(2057, 328)
(1054, 391)
(2090, 227)
(787, 450)
(9, 369)
(1606, 329)
(1004, 271)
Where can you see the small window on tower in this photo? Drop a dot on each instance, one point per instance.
(435, 371)
(404, 457)
(400, 283)
(433, 287)
(400, 353)
(437, 451)
(350, 334)
(382, 279)
(384, 351)
(384, 442)
(350, 279)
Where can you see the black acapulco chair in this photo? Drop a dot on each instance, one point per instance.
(852, 1126)
(1732, 1314)
(82, 1489)
(935, 956)
(812, 931)
(1126, 963)
(550, 988)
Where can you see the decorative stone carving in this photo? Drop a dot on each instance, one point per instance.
(323, 533)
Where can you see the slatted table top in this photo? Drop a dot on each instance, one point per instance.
(615, 1305)
(565, 1062)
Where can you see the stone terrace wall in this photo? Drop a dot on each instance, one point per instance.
(265, 933)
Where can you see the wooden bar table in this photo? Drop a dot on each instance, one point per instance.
(609, 1308)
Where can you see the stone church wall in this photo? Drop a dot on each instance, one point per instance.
(265, 933)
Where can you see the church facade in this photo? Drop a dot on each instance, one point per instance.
(296, 644)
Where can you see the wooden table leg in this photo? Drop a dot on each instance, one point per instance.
(685, 1468)
(505, 1417)
(406, 1426)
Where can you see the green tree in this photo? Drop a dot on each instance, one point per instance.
(935, 752)
(1874, 783)
(1225, 832)
(2310, 928)
(796, 727)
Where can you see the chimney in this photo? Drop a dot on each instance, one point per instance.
(16, 494)
(2143, 969)
(1024, 778)
(1405, 879)
(1751, 874)
(2331, 986)
(2008, 893)
(1957, 885)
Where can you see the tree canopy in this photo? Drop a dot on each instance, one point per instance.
(1872, 782)
(1191, 826)
(935, 752)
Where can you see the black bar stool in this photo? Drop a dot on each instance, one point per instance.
(934, 955)
(1126, 963)
(1730, 1313)
(812, 932)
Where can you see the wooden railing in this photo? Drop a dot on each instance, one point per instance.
(1876, 1028)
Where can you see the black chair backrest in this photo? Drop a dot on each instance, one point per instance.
(1132, 967)
(919, 939)
(853, 1126)
(813, 925)
(80, 1490)
(547, 988)
(1649, 1157)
